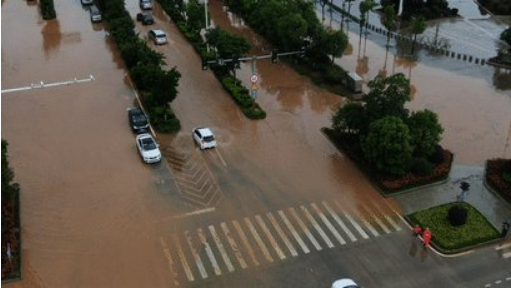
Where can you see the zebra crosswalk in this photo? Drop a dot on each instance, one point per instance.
(222, 248)
(504, 250)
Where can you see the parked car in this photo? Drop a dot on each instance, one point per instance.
(148, 148)
(204, 137)
(345, 283)
(157, 36)
(95, 14)
(87, 2)
(138, 120)
(145, 18)
(146, 4)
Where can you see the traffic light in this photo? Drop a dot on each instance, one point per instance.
(302, 52)
(274, 56)
(204, 64)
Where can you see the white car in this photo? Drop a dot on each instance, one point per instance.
(87, 2)
(146, 4)
(148, 148)
(204, 137)
(345, 283)
(157, 36)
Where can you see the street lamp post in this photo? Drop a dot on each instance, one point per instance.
(206, 23)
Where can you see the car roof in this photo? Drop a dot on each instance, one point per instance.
(145, 136)
(205, 131)
(158, 32)
(346, 282)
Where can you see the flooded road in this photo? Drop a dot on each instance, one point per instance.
(94, 216)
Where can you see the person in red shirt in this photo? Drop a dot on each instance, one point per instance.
(426, 236)
(417, 230)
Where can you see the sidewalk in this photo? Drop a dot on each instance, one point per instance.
(494, 208)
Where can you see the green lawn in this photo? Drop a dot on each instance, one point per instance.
(450, 239)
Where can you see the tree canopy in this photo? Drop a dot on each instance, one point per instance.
(387, 145)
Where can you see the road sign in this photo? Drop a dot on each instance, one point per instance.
(254, 86)
(254, 78)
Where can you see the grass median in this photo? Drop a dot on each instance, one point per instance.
(452, 239)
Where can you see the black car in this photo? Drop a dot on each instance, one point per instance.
(145, 18)
(138, 120)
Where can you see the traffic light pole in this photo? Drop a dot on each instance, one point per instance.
(275, 55)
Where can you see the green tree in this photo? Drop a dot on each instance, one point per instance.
(390, 20)
(165, 88)
(425, 132)
(387, 97)
(336, 43)
(350, 118)
(196, 17)
(227, 45)
(7, 173)
(387, 145)
(365, 7)
(506, 35)
(291, 30)
(418, 27)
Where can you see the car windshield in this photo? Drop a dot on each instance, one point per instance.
(140, 119)
(209, 138)
(148, 144)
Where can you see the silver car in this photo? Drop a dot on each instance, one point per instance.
(146, 4)
(157, 36)
(148, 148)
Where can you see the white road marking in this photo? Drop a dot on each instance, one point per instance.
(353, 222)
(220, 156)
(244, 239)
(282, 235)
(220, 247)
(196, 212)
(328, 224)
(368, 225)
(387, 217)
(170, 260)
(209, 252)
(184, 262)
(258, 239)
(234, 246)
(378, 220)
(317, 227)
(504, 246)
(198, 260)
(270, 237)
(305, 229)
(293, 232)
(340, 222)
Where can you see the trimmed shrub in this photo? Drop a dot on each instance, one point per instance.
(421, 166)
(457, 215)
(438, 155)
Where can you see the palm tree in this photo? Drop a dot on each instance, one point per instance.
(390, 21)
(418, 27)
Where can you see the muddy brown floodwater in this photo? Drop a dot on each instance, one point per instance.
(89, 207)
